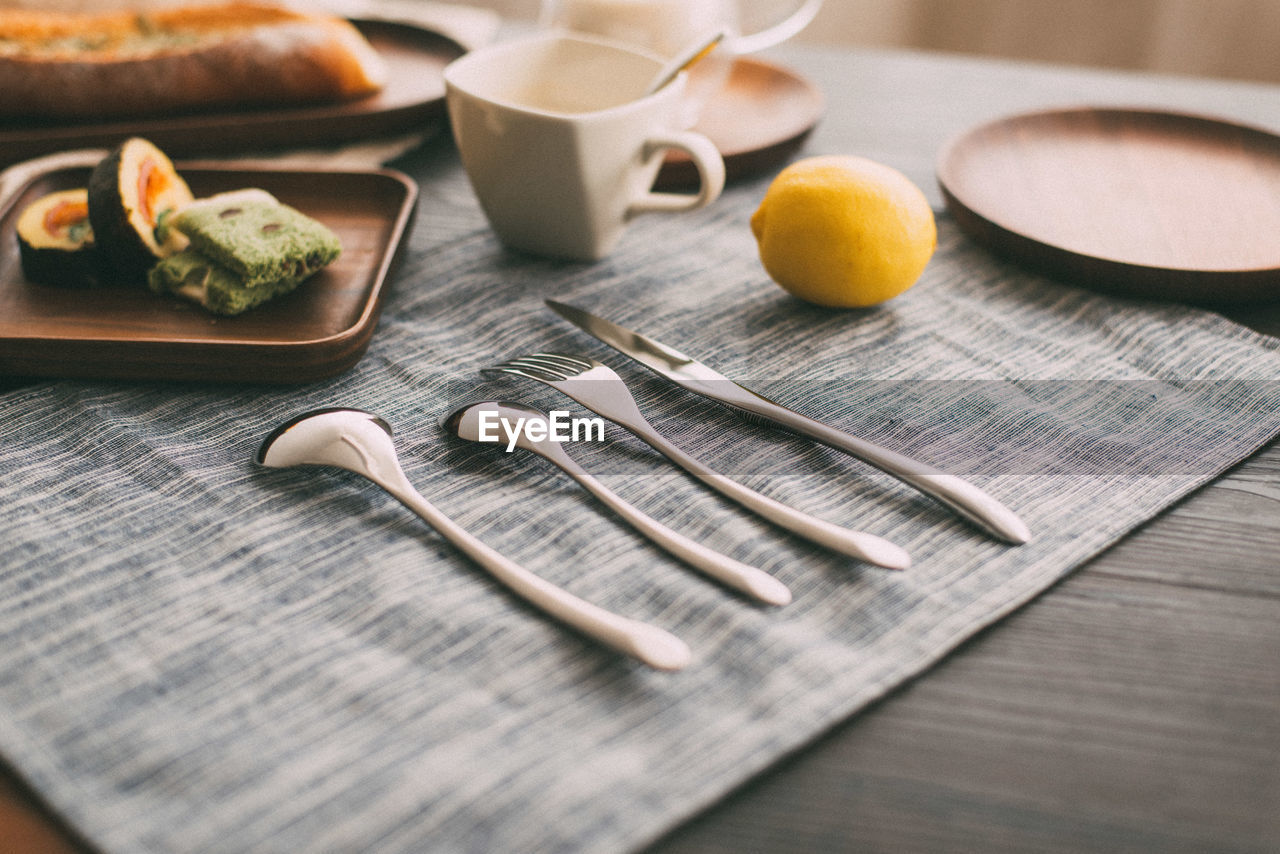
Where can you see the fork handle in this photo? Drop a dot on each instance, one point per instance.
(653, 646)
(864, 546)
(751, 580)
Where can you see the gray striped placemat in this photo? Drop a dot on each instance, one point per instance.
(199, 655)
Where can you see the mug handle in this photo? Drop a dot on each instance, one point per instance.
(778, 33)
(706, 158)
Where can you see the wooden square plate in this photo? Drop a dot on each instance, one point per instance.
(120, 331)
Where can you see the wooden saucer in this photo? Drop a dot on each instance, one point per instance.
(1129, 201)
(762, 115)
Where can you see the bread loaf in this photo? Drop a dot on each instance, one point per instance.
(121, 64)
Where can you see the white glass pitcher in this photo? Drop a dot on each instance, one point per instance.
(665, 27)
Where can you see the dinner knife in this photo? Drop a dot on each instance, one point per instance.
(963, 497)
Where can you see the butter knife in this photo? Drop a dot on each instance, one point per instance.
(967, 500)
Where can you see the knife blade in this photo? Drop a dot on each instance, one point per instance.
(964, 498)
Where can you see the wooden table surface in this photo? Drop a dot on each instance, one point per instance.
(1135, 706)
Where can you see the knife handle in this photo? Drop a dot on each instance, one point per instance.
(963, 497)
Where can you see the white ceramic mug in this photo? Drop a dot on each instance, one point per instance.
(562, 146)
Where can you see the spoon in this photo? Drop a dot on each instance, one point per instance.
(465, 423)
(685, 59)
(361, 442)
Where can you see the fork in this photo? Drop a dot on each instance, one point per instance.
(597, 387)
(465, 423)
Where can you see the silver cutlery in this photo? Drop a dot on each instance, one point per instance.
(964, 498)
(466, 424)
(360, 442)
(685, 59)
(599, 389)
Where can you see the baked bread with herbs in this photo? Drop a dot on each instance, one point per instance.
(153, 62)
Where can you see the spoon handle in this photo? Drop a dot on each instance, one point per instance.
(653, 646)
(751, 580)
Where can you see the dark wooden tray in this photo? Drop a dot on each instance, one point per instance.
(127, 332)
(413, 99)
(1130, 201)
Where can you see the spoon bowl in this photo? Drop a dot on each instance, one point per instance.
(361, 442)
(350, 439)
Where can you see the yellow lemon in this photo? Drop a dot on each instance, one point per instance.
(844, 231)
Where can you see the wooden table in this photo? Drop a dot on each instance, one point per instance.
(1135, 706)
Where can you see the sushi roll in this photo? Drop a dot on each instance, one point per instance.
(131, 194)
(55, 240)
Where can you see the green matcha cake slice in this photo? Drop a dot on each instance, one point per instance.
(262, 242)
(191, 275)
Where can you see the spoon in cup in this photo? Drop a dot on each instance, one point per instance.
(684, 60)
(465, 423)
(360, 442)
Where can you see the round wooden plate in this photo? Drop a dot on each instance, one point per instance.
(1134, 202)
(763, 114)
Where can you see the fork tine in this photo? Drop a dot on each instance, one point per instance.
(566, 360)
(565, 366)
(528, 371)
(539, 359)
(521, 361)
(538, 365)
